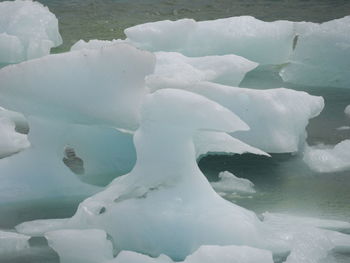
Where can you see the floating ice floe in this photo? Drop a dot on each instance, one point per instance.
(326, 159)
(229, 183)
(27, 30)
(256, 40)
(11, 242)
(286, 43)
(322, 54)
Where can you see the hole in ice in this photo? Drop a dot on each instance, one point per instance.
(102, 210)
(72, 161)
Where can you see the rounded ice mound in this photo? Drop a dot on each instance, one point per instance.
(102, 86)
(27, 30)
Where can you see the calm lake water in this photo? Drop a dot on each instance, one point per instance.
(283, 182)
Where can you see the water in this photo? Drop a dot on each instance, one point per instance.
(283, 182)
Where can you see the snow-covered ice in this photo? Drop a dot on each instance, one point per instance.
(326, 158)
(27, 30)
(229, 183)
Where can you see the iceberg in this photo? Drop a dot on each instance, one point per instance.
(246, 36)
(12, 242)
(229, 183)
(321, 55)
(165, 196)
(110, 79)
(277, 124)
(27, 30)
(326, 159)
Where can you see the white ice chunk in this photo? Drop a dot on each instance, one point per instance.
(347, 110)
(11, 141)
(326, 159)
(343, 128)
(11, 242)
(322, 54)
(256, 40)
(174, 70)
(277, 117)
(229, 183)
(27, 30)
(208, 142)
(81, 246)
(102, 86)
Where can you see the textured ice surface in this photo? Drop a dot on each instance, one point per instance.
(326, 159)
(81, 246)
(27, 30)
(167, 193)
(256, 40)
(104, 86)
(322, 54)
(229, 184)
(11, 242)
(11, 141)
(210, 142)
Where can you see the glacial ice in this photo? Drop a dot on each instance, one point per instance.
(11, 242)
(326, 159)
(111, 81)
(229, 183)
(81, 246)
(27, 30)
(277, 124)
(165, 196)
(289, 44)
(11, 141)
(322, 54)
(210, 142)
(256, 40)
